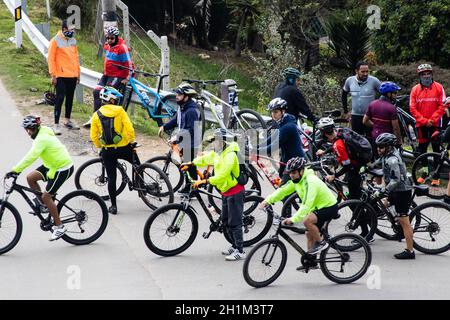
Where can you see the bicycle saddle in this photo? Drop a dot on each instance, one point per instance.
(376, 172)
(421, 190)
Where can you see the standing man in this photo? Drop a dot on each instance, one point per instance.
(116, 53)
(426, 105)
(363, 89)
(289, 92)
(64, 68)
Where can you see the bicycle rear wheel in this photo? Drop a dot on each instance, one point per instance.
(340, 263)
(10, 227)
(265, 262)
(428, 169)
(153, 186)
(84, 214)
(92, 176)
(170, 168)
(170, 230)
(431, 225)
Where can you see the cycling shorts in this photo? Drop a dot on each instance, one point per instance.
(53, 185)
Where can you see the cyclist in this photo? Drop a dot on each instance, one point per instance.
(350, 166)
(189, 134)
(398, 187)
(363, 89)
(318, 204)
(225, 179)
(289, 92)
(113, 132)
(116, 52)
(382, 115)
(426, 105)
(56, 169)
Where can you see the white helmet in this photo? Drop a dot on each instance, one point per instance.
(108, 93)
(325, 124)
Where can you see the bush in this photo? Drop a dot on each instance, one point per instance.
(87, 7)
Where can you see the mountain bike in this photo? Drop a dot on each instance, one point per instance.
(410, 146)
(345, 260)
(172, 228)
(148, 180)
(83, 212)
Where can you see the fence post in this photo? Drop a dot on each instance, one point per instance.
(79, 88)
(165, 62)
(18, 23)
(24, 6)
(48, 9)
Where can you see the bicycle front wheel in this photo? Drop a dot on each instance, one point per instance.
(265, 262)
(84, 214)
(428, 169)
(10, 227)
(170, 230)
(153, 185)
(92, 176)
(431, 226)
(249, 119)
(341, 264)
(171, 170)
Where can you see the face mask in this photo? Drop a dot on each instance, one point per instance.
(296, 180)
(34, 135)
(68, 34)
(426, 81)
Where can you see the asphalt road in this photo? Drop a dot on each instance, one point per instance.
(119, 265)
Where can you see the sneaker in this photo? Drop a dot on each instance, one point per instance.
(235, 256)
(112, 210)
(228, 251)
(57, 129)
(405, 255)
(369, 241)
(435, 183)
(87, 125)
(318, 247)
(71, 125)
(276, 220)
(302, 268)
(420, 180)
(42, 207)
(58, 232)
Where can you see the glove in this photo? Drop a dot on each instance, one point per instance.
(198, 183)
(380, 193)
(11, 174)
(185, 166)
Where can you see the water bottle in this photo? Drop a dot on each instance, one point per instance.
(145, 98)
(213, 211)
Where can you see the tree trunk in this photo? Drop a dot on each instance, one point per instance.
(237, 44)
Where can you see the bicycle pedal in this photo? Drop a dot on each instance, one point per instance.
(206, 235)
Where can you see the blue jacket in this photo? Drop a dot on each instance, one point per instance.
(187, 120)
(288, 139)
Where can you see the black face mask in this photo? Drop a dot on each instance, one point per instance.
(34, 135)
(297, 180)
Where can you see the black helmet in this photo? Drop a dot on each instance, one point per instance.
(50, 97)
(31, 122)
(386, 139)
(185, 88)
(296, 163)
(291, 73)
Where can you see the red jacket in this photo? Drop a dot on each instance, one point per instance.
(427, 104)
(118, 54)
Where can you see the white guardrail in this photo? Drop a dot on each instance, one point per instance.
(89, 78)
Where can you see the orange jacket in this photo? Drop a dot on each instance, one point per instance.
(63, 57)
(427, 104)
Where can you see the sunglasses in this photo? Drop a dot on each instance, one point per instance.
(110, 38)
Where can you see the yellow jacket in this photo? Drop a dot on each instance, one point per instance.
(63, 57)
(122, 126)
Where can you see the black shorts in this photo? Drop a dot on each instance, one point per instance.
(53, 185)
(401, 200)
(326, 214)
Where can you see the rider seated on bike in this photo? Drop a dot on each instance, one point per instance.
(113, 132)
(318, 204)
(56, 169)
(225, 179)
(189, 134)
(398, 187)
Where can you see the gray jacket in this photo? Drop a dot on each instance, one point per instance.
(395, 173)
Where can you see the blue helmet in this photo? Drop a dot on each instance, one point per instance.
(291, 73)
(388, 86)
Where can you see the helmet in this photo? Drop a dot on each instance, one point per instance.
(185, 88)
(291, 73)
(424, 67)
(112, 31)
(108, 93)
(31, 122)
(296, 163)
(50, 97)
(388, 86)
(386, 139)
(277, 104)
(325, 124)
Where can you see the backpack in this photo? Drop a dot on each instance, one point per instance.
(109, 134)
(358, 147)
(244, 170)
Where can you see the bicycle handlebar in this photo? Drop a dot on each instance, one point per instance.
(203, 82)
(144, 73)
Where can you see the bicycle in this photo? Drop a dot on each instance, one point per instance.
(336, 261)
(148, 180)
(170, 222)
(83, 212)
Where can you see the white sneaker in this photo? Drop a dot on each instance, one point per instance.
(235, 256)
(87, 124)
(57, 129)
(228, 251)
(58, 232)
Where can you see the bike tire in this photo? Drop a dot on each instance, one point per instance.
(82, 218)
(430, 160)
(155, 188)
(266, 248)
(422, 219)
(255, 223)
(82, 178)
(4, 248)
(333, 254)
(244, 115)
(153, 220)
(170, 168)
